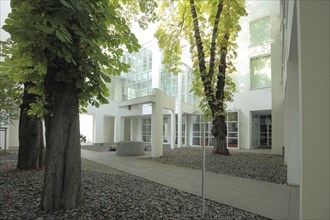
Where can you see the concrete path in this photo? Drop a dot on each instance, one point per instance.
(271, 200)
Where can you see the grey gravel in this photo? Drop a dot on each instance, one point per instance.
(107, 194)
(264, 167)
(259, 166)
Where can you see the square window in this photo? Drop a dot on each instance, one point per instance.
(260, 69)
(260, 31)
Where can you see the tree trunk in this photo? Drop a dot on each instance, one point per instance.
(62, 181)
(31, 141)
(219, 131)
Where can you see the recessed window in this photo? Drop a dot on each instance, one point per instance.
(260, 31)
(261, 72)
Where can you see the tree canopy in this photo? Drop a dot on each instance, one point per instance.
(10, 92)
(210, 28)
(66, 51)
(93, 44)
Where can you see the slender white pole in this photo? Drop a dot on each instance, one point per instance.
(203, 171)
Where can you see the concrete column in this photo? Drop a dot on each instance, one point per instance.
(189, 130)
(132, 129)
(292, 124)
(139, 129)
(98, 128)
(277, 95)
(122, 130)
(313, 52)
(157, 125)
(118, 127)
(173, 132)
(179, 110)
(186, 131)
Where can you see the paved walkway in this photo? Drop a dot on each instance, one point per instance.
(271, 200)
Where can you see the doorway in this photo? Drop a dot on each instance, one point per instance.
(261, 129)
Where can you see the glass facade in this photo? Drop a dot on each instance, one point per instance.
(169, 84)
(139, 77)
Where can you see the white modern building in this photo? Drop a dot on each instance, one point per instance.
(306, 95)
(132, 112)
(281, 103)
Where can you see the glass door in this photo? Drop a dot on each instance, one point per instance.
(266, 130)
(232, 130)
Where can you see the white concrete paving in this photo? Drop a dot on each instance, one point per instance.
(275, 201)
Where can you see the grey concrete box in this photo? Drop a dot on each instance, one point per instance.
(130, 148)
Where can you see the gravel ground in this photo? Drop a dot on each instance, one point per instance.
(259, 166)
(264, 167)
(107, 194)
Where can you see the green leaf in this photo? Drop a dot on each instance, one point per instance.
(67, 4)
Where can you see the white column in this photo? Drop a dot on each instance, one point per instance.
(277, 94)
(132, 129)
(186, 131)
(292, 123)
(139, 129)
(313, 51)
(173, 132)
(98, 128)
(157, 125)
(179, 110)
(122, 130)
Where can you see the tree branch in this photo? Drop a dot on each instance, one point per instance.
(214, 37)
(207, 81)
(221, 80)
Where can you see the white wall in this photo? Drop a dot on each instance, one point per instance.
(313, 51)
(99, 114)
(291, 83)
(108, 129)
(246, 99)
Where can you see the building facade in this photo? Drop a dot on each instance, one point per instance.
(282, 98)
(146, 88)
(305, 84)
(250, 115)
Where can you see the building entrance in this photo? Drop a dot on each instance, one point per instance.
(261, 129)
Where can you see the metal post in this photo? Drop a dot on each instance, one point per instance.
(203, 170)
(5, 140)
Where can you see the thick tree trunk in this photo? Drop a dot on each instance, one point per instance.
(219, 131)
(62, 181)
(31, 141)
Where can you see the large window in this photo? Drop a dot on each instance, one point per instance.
(260, 69)
(232, 120)
(260, 31)
(169, 84)
(138, 82)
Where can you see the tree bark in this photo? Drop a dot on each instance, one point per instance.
(31, 140)
(219, 131)
(62, 181)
